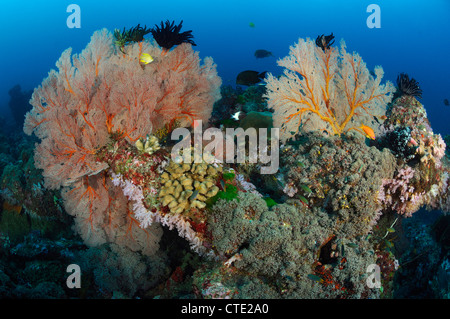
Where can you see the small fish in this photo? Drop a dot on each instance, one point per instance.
(360, 168)
(194, 195)
(251, 25)
(306, 188)
(235, 116)
(260, 53)
(391, 230)
(250, 77)
(301, 164)
(369, 132)
(315, 278)
(413, 142)
(389, 244)
(222, 183)
(352, 245)
(303, 200)
(376, 119)
(146, 58)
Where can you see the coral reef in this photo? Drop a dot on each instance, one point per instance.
(421, 178)
(35, 267)
(160, 190)
(343, 176)
(335, 208)
(420, 262)
(25, 204)
(277, 251)
(119, 272)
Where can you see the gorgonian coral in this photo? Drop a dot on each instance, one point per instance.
(100, 97)
(328, 90)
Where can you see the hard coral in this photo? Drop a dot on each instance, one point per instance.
(188, 185)
(407, 113)
(280, 247)
(148, 145)
(342, 174)
(399, 193)
(422, 177)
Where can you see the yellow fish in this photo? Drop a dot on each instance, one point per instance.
(146, 58)
(369, 132)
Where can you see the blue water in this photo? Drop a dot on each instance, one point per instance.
(414, 36)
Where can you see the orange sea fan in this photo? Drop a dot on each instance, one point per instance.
(329, 90)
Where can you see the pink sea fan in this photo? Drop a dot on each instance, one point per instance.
(103, 214)
(101, 92)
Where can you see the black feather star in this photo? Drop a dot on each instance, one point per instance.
(325, 41)
(408, 86)
(169, 35)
